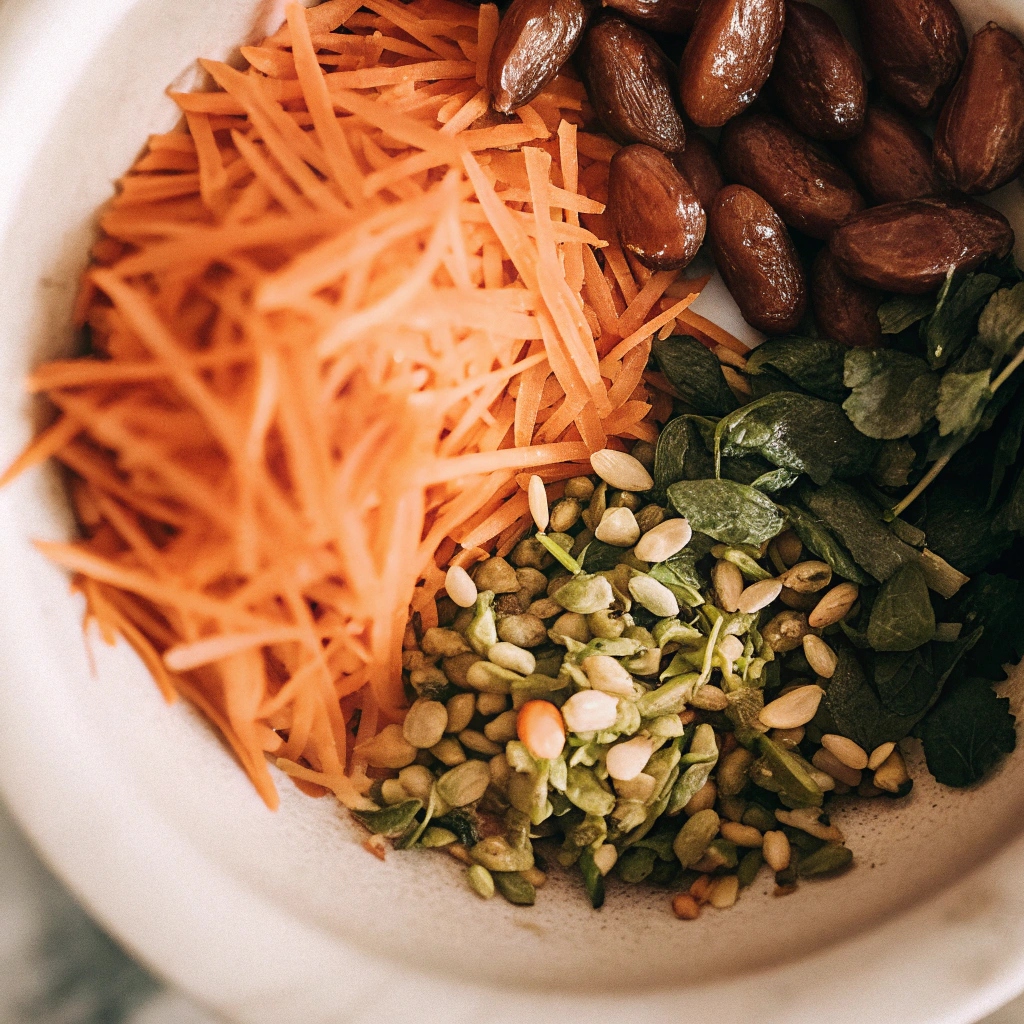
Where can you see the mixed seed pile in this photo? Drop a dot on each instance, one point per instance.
(581, 692)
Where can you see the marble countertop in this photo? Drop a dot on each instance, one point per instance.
(58, 967)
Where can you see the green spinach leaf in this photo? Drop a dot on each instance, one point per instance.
(952, 324)
(600, 556)
(903, 311)
(814, 365)
(696, 374)
(962, 401)
(820, 541)
(909, 683)
(995, 603)
(775, 481)
(797, 432)
(902, 618)
(1006, 451)
(858, 523)
(1011, 516)
(894, 393)
(730, 512)
(968, 734)
(1001, 323)
(855, 708)
(959, 527)
(893, 464)
(680, 455)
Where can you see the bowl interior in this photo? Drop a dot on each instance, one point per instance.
(68, 709)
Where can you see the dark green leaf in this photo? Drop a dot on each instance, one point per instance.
(600, 556)
(392, 821)
(795, 363)
(996, 603)
(902, 618)
(696, 374)
(827, 860)
(814, 365)
(819, 540)
(894, 393)
(893, 464)
(911, 682)
(959, 528)
(967, 735)
(1002, 321)
(730, 512)
(463, 823)
(744, 470)
(858, 524)
(680, 571)
(855, 707)
(799, 433)
(778, 480)
(1011, 516)
(680, 455)
(962, 400)
(1007, 449)
(952, 324)
(903, 311)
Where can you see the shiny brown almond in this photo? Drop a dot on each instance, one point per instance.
(698, 164)
(818, 77)
(657, 214)
(631, 85)
(757, 260)
(844, 311)
(675, 16)
(979, 143)
(728, 57)
(909, 247)
(808, 189)
(535, 39)
(915, 48)
(891, 159)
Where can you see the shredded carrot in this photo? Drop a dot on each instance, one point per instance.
(335, 317)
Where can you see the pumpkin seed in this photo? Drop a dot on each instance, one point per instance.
(565, 515)
(464, 784)
(728, 583)
(461, 709)
(425, 723)
(750, 865)
(390, 822)
(654, 596)
(758, 596)
(479, 878)
(512, 657)
(618, 527)
(515, 888)
(486, 677)
(476, 741)
(695, 837)
(389, 749)
(829, 858)
(663, 540)
(585, 595)
(579, 487)
(449, 752)
(793, 709)
(497, 854)
(807, 577)
(434, 838)
(732, 774)
(709, 698)
(851, 754)
(820, 656)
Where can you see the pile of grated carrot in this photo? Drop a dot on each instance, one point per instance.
(336, 319)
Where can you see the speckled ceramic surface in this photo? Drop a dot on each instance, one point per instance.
(283, 917)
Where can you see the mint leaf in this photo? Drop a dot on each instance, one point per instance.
(904, 311)
(902, 618)
(948, 329)
(994, 602)
(814, 365)
(967, 735)
(962, 401)
(1002, 321)
(696, 374)
(730, 512)
(894, 393)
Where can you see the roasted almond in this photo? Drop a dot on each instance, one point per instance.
(757, 260)
(909, 247)
(844, 311)
(818, 79)
(892, 158)
(728, 57)
(698, 164)
(631, 85)
(806, 186)
(657, 214)
(915, 48)
(675, 16)
(535, 39)
(979, 143)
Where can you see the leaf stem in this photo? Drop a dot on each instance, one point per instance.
(925, 481)
(1015, 364)
(560, 554)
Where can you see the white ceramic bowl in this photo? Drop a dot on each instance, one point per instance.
(283, 917)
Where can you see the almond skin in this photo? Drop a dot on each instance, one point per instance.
(657, 214)
(891, 159)
(979, 143)
(844, 311)
(810, 190)
(698, 164)
(757, 260)
(909, 247)
(728, 57)
(818, 78)
(915, 48)
(676, 16)
(631, 85)
(535, 39)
